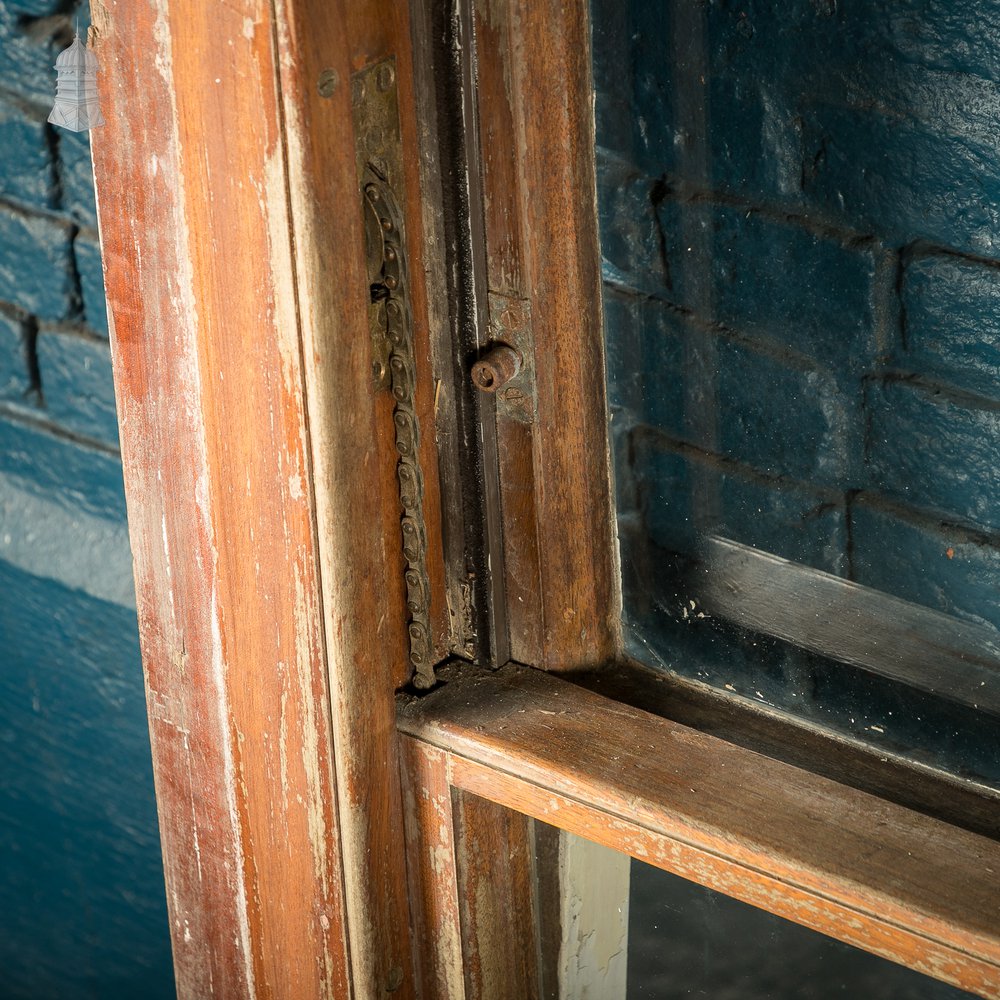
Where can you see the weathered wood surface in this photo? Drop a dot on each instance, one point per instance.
(472, 879)
(433, 874)
(352, 432)
(878, 876)
(767, 731)
(498, 159)
(260, 487)
(493, 852)
(543, 267)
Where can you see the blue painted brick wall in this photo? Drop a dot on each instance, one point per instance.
(807, 191)
(82, 907)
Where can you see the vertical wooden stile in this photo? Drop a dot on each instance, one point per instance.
(194, 225)
(259, 477)
(543, 267)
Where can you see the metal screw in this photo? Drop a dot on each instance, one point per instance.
(511, 394)
(385, 77)
(328, 81)
(395, 979)
(496, 368)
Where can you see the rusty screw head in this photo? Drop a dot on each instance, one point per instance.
(328, 81)
(496, 368)
(385, 77)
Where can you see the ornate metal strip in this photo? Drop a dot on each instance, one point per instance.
(379, 158)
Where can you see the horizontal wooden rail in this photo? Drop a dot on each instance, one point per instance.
(884, 878)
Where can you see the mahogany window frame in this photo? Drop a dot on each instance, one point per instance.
(296, 818)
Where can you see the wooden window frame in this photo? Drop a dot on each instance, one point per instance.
(301, 859)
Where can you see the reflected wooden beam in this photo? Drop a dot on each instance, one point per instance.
(846, 621)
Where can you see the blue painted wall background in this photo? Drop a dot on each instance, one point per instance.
(82, 907)
(800, 229)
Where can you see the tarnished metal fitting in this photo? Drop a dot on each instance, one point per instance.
(496, 368)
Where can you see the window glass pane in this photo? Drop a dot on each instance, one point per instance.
(800, 240)
(686, 941)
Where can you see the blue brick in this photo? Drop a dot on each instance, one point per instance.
(33, 8)
(28, 65)
(610, 27)
(77, 176)
(35, 264)
(757, 151)
(863, 104)
(77, 479)
(656, 139)
(762, 63)
(76, 381)
(952, 310)
(773, 280)
(630, 235)
(645, 360)
(665, 488)
(14, 380)
(909, 559)
(91, 272)
(911, 155)
(786, 421)
(790, 521)
(26, 170)
(932, 451)
(934, 34)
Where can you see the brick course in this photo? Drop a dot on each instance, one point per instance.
(76, 384)
(952, 321)
(933, 450)
(26, 170)
(36, 270)
(805, 190)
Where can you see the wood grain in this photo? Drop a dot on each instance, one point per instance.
(768, 731)
(539, 205)
(878, 876)
(260, 478)
(493, 855)
(195, 234)
(433, 873)
(356, 491)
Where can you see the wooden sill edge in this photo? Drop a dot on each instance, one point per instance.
(880, 876)
(775, 733)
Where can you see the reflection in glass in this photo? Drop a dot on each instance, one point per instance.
(686, 941)
(801, 267)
